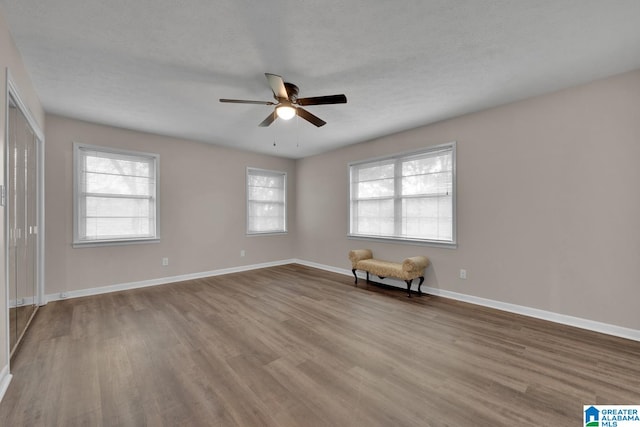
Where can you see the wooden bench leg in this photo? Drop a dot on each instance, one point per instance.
(420, 284)
(409, 287)
(355, 275)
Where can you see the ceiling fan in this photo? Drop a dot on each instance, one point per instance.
(288, 104)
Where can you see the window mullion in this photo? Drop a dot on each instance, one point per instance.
(397, 198)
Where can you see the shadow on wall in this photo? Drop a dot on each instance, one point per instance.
(430, 277)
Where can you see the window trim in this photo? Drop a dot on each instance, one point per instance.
(286, 217)
(79, 243)
(411, 241)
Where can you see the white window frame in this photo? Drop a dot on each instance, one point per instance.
(251, 232)
(399, 157)
(78, 204)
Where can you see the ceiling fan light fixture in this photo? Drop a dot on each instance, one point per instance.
(286, 112)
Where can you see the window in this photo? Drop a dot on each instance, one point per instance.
(408, 197)
(266, 201)
(115, 195)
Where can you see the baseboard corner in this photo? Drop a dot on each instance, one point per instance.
(5, 380)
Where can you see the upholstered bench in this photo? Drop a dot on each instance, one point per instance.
(409, 269)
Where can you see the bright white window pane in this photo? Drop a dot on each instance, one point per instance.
(116, 228)
(435, 183)
(266, 181)
(115, 195)
(266, 194)
(426, 164)
(376, 188)
(116, 164)
(427, 218)
(117, 184)
(375, 217)
(266, 201)
(114, 207)
(428, 175)
(376, 171)
(266, 216)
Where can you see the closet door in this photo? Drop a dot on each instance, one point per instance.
(22, 220)
(26, 254)
(31, 223)
(12, 173)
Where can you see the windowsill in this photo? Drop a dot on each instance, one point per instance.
(269, 233)
(96, 243)
(431, 243)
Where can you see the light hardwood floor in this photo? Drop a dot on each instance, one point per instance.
(296, 346)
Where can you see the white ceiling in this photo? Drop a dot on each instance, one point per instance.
(161, 65)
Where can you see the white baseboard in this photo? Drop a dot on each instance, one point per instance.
(5, 379)
(564, 319)
(605, 328)
(326, 267)
(161, 281)
(21, 302)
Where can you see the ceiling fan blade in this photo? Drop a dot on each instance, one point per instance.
(270, 119)
(242, 101)
(315, 120)
(277, 86)
(319, 100)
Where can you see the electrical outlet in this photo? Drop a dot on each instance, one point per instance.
(242, 253)
(463, 273)
(165, 262)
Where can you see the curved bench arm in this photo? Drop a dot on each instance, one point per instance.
(415, 264)
(356, 255)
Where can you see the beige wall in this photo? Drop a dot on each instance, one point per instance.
(10, 58)
(548, 203)
(202, 211)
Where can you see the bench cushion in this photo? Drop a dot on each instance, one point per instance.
(381, 268)
(409, 269)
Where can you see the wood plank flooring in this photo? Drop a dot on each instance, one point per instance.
(296, 346)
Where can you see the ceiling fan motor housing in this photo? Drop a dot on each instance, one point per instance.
(292, 91)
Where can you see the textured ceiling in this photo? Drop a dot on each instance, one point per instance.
(161, 65)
